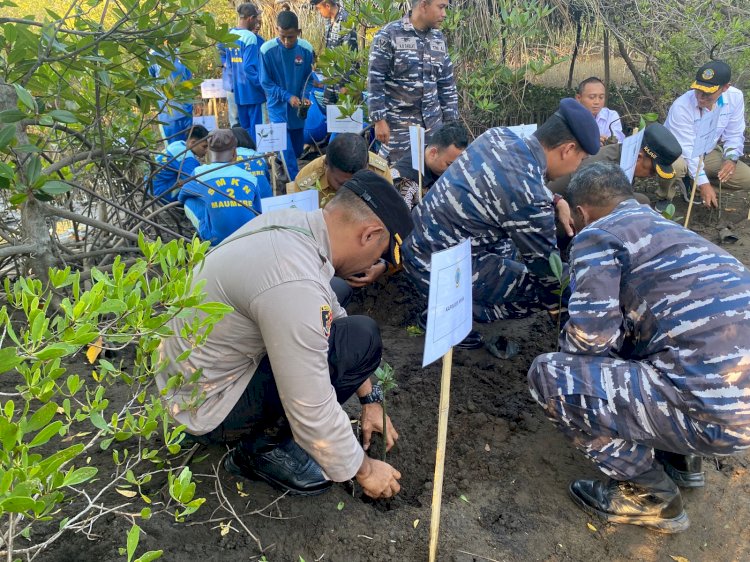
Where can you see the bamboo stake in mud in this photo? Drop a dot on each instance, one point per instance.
(437, 485)
(692, 193)
(421, 166)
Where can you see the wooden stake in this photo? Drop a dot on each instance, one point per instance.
(692, 192)
(421, 165)
(273, 174)
(437, 484)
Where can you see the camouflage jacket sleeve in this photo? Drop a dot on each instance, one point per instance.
(596, 325)
(381, 55)
(447, 93)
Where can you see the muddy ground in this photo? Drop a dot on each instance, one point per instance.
(507, 470)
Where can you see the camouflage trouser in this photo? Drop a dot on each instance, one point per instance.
(500, 288)
(398, 144)
(613, 411)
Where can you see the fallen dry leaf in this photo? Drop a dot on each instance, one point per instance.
(487, 447)
(416, 522)
(679, 558)
(224, 529)
(126, 493)
(591, 527)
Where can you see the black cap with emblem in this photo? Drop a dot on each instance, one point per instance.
(387, 204)
(712, 76)
(662, 147)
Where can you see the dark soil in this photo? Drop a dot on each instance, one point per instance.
(507, 470)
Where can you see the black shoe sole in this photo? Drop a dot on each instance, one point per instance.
(674, 525)
(252, 474)
(685, 479)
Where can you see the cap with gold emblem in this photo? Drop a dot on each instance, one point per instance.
(662, 147)
(387, 204)
(712, 76)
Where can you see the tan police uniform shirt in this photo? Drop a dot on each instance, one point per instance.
(278, 283)
(313, 176)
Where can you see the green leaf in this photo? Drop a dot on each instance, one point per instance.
(114, 306)
(9, 359)
(18, 198)
(340, 506)
(7, 134)
(134, 536)
(150, 555)
(56, 187)
(46, 434)
(651, 117)
(17, 504)
(215, 308)
(25, 97)
(80, 475)
(55, 350)
(62, 116)
(41, 417)
(33, 169)
(555, 264)
(11, 116)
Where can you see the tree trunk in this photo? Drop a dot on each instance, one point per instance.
(33, 220)
(575, 51)
(634, 71)
(605, 54)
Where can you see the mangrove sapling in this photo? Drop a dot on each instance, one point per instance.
(563, 280)
(387, 381)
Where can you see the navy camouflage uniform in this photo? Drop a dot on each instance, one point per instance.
(656, 353)
(494, 193)
(410, 82)
(337, 34)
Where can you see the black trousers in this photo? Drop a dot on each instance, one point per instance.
(354, 351)
(343, 291)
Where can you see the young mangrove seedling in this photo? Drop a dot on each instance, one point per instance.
(556, 265)
(387, 382)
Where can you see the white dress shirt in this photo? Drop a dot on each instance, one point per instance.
(607, 117)
(683, 118)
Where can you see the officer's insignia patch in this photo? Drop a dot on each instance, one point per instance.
(708, 74)
(326, 319)
(438, 46)
(298, 60)
(406, 43)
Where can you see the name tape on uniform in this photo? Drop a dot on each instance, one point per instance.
(416, 139)
(449, 310)
(306, 200)
(631, 146)
(337, 123)
(271, 137)
(213, 88)
(523, 131)
(705, 137)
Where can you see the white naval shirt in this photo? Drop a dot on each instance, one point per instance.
(684, 115)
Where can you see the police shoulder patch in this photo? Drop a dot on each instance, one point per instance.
(326, 319)
(378, 162)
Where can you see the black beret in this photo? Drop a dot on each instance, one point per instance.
(712, 76)
(581, 123)
(387, 204)
(661, 145)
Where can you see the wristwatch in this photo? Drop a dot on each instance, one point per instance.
(375, 396)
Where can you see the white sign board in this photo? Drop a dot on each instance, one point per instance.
(338, 124)
(304, 200)
(271, 137)
(449, 311)
(631, 146)
(208, 121)
(523, 131)
(705, 131)
(212, 89)
(416, 139)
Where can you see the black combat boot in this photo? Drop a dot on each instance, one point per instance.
(650, 500)
(685, 470)
(284, 465)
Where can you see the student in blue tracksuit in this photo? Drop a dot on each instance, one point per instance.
(250, 160)
(244, 61)
(176, 118)
(285, 66)
(223, 196)
(178, 162)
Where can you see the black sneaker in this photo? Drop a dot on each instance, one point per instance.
(685, 470)
(285, 466)
(652, 500)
